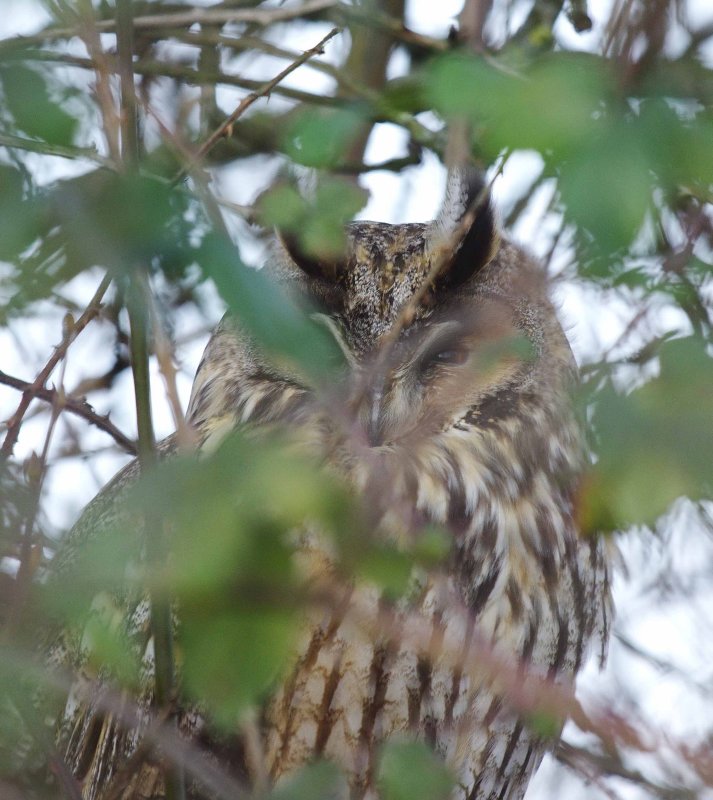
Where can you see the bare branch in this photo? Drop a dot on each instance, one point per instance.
(224, 128)
(195, 15)
(75, 405)
(70, 334)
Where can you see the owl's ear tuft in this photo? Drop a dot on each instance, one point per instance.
(322, 268)
(465, 228)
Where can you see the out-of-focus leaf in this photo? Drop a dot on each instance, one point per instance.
(28, 101)
(320, 781)
(677, 144)
(432, 546)
(654, 444)
(606, 189)
(319, 137)
(318, 222)
(107, 645)
(550, 109)
(412, 771)
(20, 217)
(280, 326)
(119, 221)
(229, 660)
(108, 560)
(25, 692)
(406, 93)
(546, 725)
(387, 567)
(231, 514)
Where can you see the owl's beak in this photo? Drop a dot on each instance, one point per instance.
(374, 421)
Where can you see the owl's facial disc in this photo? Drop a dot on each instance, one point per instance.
(437, 371)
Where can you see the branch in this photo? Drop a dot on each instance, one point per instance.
(604, 765)
(246, 102)
(202, 16)
(138, 305)
(35, 470)
(48, 149)
(191, 75)
(395, 27)
(471, 22)
(75, 405)
(70, 334)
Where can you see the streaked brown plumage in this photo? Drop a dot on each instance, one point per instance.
(447, 420)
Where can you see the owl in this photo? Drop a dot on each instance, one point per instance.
(454, 410)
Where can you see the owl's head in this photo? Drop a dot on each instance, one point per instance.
(443, 325)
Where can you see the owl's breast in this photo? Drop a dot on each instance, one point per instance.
(520, 590)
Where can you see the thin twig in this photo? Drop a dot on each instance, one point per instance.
(246, 102)
(37, 473)
(579, 758)
(74, 405)
(191, 75)
(128, 116)
(49, 149)
(164, 355)
(70, 334)
(194, 16)
(88, 32)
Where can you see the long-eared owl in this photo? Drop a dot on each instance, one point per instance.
(455, 411)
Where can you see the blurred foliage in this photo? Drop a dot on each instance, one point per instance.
(26, 97)
(626, 146)
(651, 448)
(318, 221)
(607, 151)
(411, 771)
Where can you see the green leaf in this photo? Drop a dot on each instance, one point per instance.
(28, 101)
(432, 546)
(412, 771)
(317, 223)
(320, 781)
(677, 146)
(230, 660)
(655, 444)
(547, 726)
(229, 515)
(320, 137)
(280, 326)
(20, 217)
(606, 188)
(386, 567)
(107, 645)
(551, 109)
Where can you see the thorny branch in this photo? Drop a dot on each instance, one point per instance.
(74, 405)
(36, 473)
(193, 16)
(245, 103)
(72, 330)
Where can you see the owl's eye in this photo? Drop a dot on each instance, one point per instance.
(453, 355)
(443, 354)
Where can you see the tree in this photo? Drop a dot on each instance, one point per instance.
(149, 108)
